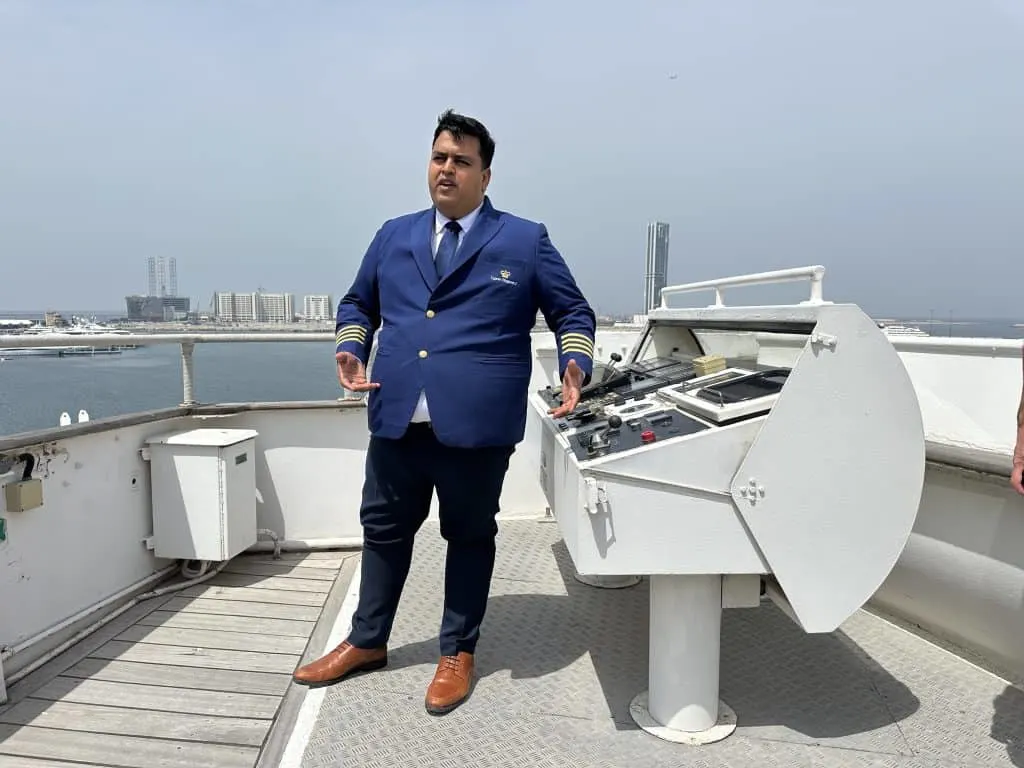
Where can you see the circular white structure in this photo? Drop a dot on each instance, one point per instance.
(607, 582)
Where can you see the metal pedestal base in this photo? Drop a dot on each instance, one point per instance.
(723, 727)
(681, 703)
(607, 582)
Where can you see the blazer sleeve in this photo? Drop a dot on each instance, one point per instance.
(566, 311)
(359, 310)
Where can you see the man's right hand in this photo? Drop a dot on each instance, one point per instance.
(352, 373)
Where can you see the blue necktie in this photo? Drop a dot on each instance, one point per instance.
(446, 249)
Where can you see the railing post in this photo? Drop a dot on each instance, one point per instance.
(817, 277)
(187, 375)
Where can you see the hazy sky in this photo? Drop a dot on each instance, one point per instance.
(262, 143)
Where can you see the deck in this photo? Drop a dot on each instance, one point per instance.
(195, 678)
(199, 679)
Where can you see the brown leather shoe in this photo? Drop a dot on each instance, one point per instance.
(339, 663)
(451, 684)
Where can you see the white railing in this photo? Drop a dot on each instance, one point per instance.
(815, 274)
(187, 342)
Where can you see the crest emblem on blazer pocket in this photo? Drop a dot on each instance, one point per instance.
(504, 276)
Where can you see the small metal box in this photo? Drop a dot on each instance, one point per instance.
(24, 495)
(204, 493)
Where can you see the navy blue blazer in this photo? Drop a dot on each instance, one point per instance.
(463, 340)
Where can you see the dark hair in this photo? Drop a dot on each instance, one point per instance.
(460, 125)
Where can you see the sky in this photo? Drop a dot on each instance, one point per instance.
(262, 143)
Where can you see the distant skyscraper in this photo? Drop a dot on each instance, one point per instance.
(172, 275)
(656, 269)
(163, 276)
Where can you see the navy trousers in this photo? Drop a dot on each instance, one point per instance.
(401, 476)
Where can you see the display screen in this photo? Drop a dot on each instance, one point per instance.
(745, 388)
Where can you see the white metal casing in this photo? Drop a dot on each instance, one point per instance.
(639, 512)
(204, 493)
(822, 491)
(841, 461)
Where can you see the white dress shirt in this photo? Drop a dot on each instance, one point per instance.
(422, 413)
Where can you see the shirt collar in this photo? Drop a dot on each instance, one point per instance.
(465, 222)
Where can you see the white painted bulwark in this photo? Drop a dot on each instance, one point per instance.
(86, 544)
(204, 493)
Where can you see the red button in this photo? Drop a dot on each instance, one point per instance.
(647, 436)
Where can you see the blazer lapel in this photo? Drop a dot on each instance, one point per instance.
(422, 247)
(480, 234)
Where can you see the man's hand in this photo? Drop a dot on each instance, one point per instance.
(571, 383)
(352, 374)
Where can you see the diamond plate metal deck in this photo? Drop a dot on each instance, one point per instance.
(558, 663)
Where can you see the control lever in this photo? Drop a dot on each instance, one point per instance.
(611, 369)
(600, 439)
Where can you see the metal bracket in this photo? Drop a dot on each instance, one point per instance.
(597, 496)
(752, 491)
(824, 340)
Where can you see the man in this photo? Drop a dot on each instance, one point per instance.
(1018, 448)
(451, 293)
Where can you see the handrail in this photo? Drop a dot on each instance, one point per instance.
(974, 346)
(815, 274)
(187, 342)
(19, 340)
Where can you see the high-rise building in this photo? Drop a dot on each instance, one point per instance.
(275, 307)
(157, 308)
(317, 307)
(163, 276)
(161, 301)
(254, 307)
(172, 275)
(656, 264)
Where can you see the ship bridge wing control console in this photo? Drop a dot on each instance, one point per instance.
(721, 458)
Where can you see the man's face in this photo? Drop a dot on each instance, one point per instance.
(456, 175)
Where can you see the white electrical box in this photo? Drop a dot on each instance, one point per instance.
(204, 493)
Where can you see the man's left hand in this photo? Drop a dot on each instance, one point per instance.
(572, 381)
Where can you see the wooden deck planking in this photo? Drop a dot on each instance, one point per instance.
(261, 626)
(265, 568)
(159, 697)
(256, 595)
(228, 607)
(215, 638)
(306, 557)
(205, 658)
(14, 761)
(276, 583)
(188, 678)
(199, 679)
(332, 565)
(121, 751)
(130, 721)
